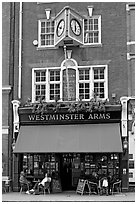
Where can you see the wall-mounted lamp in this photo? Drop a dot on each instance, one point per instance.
(90, 10)
(48, 11)
(69, 53)
(125, 144)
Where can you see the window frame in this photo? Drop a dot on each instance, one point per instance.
(99, 30)
(77, 68)
(39, 33)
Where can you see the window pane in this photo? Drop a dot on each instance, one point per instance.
(91, 30)
(47, 33)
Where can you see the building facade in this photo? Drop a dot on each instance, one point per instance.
(7, 86)
(70, 91)
(130, 8)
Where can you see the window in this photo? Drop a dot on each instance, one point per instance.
(84, 84)
(40, 86)
(37, 164)
(71, 84)
(99, 81)
(92, 30)
(54, 84)
(46, 33)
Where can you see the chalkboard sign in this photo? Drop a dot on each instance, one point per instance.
(56, 186)
(81, 186)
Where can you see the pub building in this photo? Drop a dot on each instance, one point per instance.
(75, 120)
(72, 145)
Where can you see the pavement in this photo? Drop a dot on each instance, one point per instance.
(67, 197)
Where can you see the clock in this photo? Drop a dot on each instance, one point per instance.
(75, 27)
(60, 27)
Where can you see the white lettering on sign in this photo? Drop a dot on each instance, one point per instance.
(71, 116)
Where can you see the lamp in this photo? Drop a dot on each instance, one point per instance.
(125, 144)
(90, 10)
(69, 52)
(47, 11)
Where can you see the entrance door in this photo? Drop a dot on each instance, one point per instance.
(66, 171)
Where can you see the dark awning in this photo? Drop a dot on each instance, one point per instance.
(69, 138)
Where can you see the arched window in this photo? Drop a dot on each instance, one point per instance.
(69, 80)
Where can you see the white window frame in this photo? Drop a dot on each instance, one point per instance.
(53, 82)
(39, 33)
(99, 28)
(105, 80)
(76, 67)
(85, 81)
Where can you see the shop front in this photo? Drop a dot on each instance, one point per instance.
(68, 146)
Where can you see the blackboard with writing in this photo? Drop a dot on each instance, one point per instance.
(56, 186)
(81, 186)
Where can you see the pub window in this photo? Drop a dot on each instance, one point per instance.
(84, 84)
(92, 30)
(71, 84)
(40, 86)
(99, 81)
(35, 165)
(46, 33)
(54, 84)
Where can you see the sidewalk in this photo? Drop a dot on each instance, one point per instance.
(67, 196)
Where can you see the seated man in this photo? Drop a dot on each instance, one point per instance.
(40, 184)
(23, 180)
(94, 178)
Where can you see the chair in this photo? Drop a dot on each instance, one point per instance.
(116, 188)
(101, 188)
(6, 184)
(24, 187)
(93, 187)
(46, 187)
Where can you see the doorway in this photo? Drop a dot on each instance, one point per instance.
(69, 170)
(66, 171)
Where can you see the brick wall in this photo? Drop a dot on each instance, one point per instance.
(113, 48)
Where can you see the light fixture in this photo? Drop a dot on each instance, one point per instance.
(125, 144)
(90, 10)
(69, 52)
(47, 11)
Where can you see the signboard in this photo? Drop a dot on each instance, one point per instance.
(70, 118)
(81, 186)
(56, 186)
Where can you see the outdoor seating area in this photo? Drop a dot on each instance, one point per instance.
(100, 188)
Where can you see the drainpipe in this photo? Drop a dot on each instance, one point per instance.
(20, 50)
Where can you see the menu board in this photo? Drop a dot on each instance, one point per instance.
(56, 186)
(81, 186)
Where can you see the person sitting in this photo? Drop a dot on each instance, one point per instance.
(40, 184)
(23, 180)
(94, 178)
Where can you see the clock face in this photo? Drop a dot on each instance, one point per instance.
(60, 27)
(75, 27)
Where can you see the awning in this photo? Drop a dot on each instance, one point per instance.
(69, 138)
